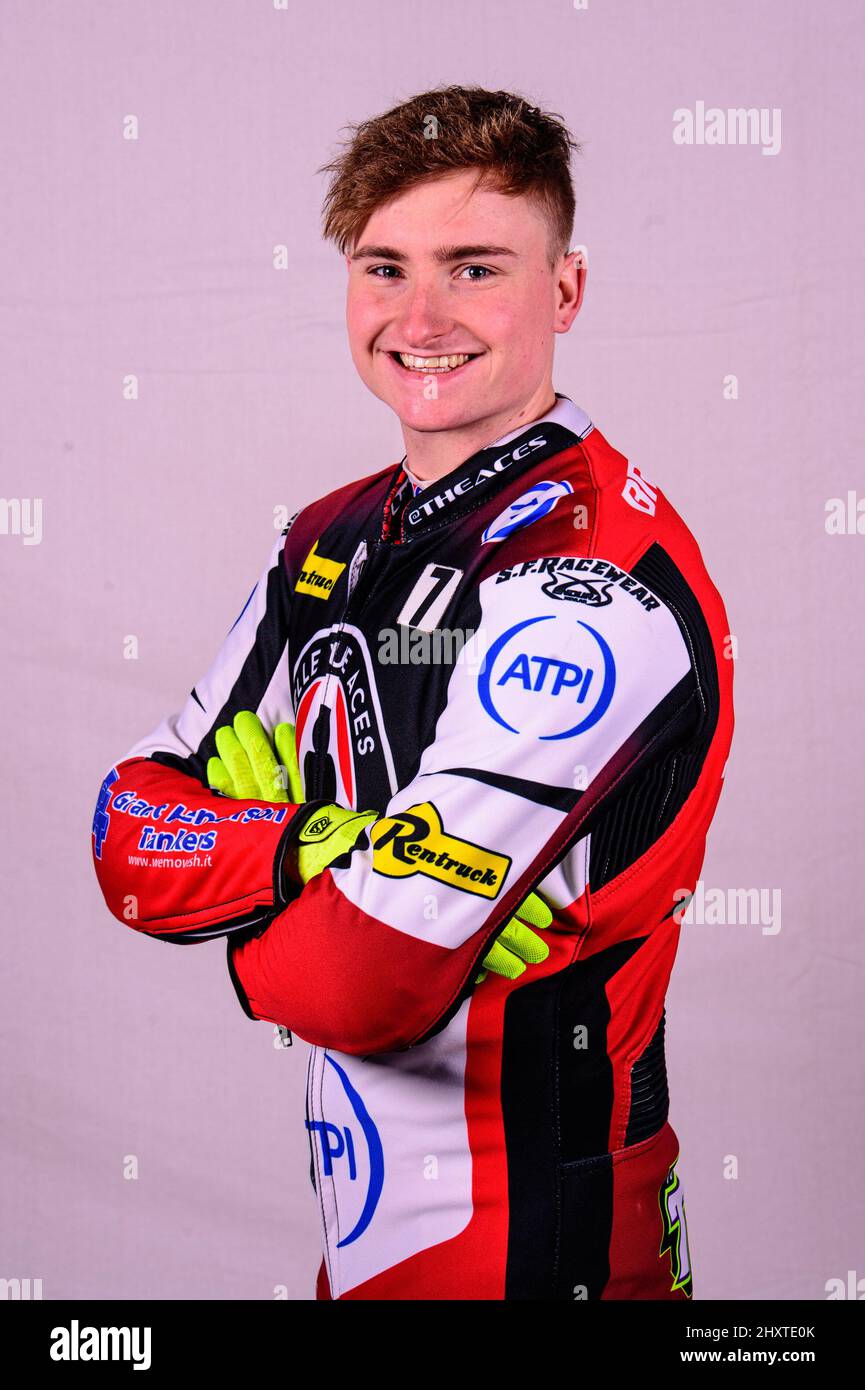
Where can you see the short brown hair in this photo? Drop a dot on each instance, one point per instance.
(516, 148)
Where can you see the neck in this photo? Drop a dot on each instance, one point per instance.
(431, 454)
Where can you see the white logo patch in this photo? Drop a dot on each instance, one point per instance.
(534, 504)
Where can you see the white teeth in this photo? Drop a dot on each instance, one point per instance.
(434, 364)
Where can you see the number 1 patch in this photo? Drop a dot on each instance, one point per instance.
(426, 604)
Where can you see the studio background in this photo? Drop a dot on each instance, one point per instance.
(153, 258)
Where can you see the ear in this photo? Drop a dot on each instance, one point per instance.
(571, 286)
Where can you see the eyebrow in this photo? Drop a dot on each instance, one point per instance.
(443, 254)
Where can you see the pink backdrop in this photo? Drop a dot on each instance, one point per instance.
(154, 258)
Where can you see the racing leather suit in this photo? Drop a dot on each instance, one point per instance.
(522, 669)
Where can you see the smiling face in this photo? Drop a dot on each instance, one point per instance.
(452, 307)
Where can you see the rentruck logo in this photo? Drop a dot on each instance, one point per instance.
(415, 841)
(318, 575)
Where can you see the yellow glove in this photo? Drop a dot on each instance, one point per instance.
(330, 832)
(246, 768)
(518, 945)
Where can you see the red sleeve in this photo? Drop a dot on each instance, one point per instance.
(176, 860)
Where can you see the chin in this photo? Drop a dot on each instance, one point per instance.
(432, 416)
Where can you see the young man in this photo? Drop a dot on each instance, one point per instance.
(487, 1096)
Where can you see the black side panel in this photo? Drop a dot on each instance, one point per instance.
(650, 1099)
(557, 1097)
(654, 798)
(585, 1201)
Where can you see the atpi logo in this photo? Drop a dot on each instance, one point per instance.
(530, 507)
(525, 681)
(356, 1151)
(101, 817)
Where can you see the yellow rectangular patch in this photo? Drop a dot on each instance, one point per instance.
(318, 575)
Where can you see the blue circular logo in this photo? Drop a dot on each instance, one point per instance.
(525, 680)
(338, 1145)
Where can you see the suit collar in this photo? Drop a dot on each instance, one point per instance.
(481, 476)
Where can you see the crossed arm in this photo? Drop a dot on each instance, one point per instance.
(247, 765)
(415, 901)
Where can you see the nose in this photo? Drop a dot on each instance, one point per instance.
(424, 315)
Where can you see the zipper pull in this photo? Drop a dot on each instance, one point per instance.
(357, 565)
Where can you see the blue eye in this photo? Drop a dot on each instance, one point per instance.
(487, 272)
